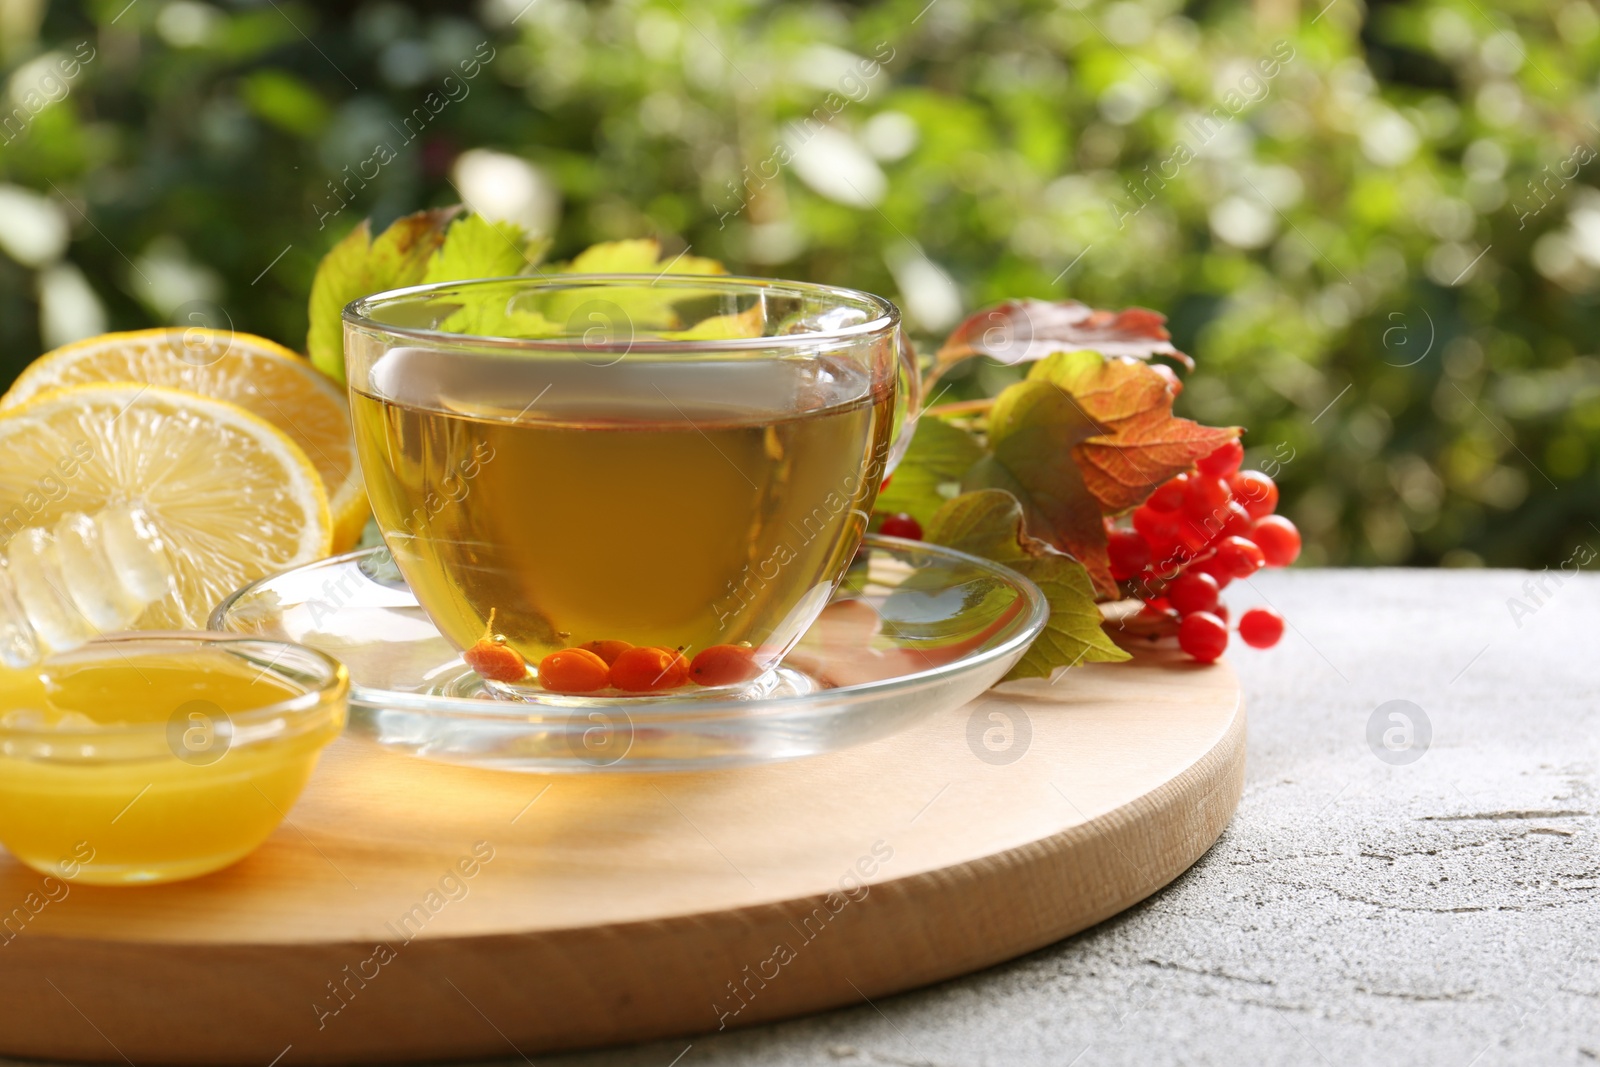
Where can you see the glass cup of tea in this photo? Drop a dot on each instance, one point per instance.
(592, 462)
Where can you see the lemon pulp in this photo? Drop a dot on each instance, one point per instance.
(231, 498)
(259, 375)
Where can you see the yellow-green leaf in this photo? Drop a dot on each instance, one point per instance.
(359, 266)
(991, 523)
(342, 272)
(474, 247)
(735, 326)
(632, 310)
(1073, 634)
(939, 456)
(639, 256)
(487, 318)
(400, 254)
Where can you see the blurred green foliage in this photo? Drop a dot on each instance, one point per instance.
(1374, 227)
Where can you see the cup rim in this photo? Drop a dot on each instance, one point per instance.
(358, 313)
(293, 712)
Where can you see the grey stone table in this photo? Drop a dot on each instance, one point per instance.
(1358, 910)
(1370, 903)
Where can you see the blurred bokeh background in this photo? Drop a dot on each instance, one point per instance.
(1374, 226)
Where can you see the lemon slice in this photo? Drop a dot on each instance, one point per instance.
(231, 496)
(259, 375)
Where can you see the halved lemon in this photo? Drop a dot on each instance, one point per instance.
(231, 496)
(259, 375)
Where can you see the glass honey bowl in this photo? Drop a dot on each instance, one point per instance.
(151, 757)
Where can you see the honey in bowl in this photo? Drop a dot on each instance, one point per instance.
(676, 505)
(151, 758)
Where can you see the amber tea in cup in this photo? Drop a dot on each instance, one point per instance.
(676, 463)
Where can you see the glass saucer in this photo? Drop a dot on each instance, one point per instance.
(914, 629)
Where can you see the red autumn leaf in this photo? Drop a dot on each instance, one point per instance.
(1020, 331)
(1144, 444)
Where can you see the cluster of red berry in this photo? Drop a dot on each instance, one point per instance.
(1196, 533)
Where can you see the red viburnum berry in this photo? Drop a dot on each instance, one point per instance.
(1224, 461)
(1193, 591)
(1203, 636)
(1257, 492)
(1279, 540)
(1260, 627)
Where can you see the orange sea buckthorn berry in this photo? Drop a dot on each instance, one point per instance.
(496, 661)
(573, 670)
(647, 670)
(724, 665)
(678, 674)
(493, 659)
(607, 650)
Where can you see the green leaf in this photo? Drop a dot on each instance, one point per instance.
(490, 319)
(617, 257)
(359, 266)
(636, 311)
(987, 523)
(340, 278)
(930, 474)
(1034, 427)
(439, 246)
(1073, 633)
(641, 256)
(477, 248)
(991, 523)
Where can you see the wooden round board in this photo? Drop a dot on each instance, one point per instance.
(415, 911)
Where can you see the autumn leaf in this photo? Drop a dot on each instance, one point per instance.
(404, 250)
(990, 523)
(1082, 437)
(1020, 331)
(1144, 443)
(359, 266)
(1034, 429)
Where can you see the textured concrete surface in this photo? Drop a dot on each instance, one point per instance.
(1357, 911)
